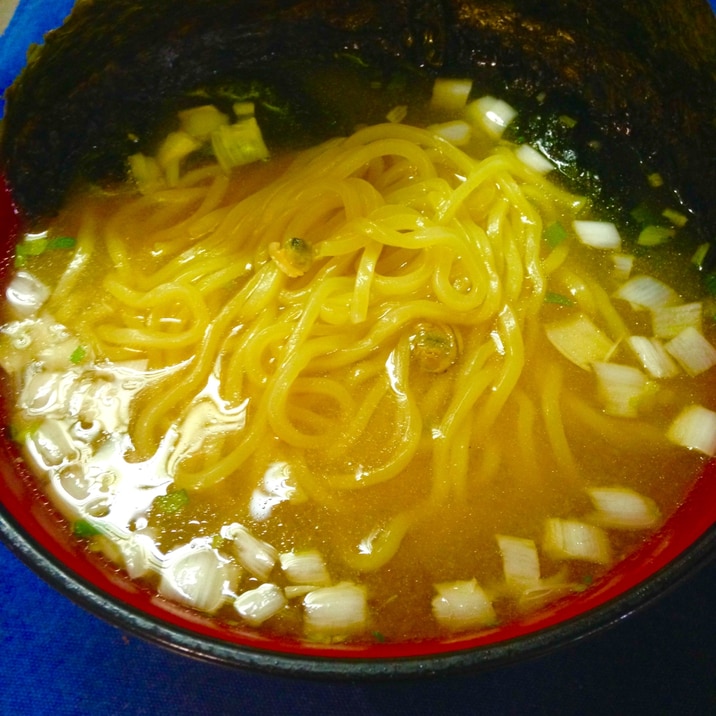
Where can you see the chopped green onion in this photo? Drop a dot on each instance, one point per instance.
(84, 529)
(695, 428)
(700, 255)
(655, 180)
(172, 502)
(655, 235)
(397, 114)
(434, 347)
(32, 248)
(710, 283)
(78, 355)
(219, 542)
(675, 217)
(62, 242)
(554, 234)
(36, 247)
(645, 214)
(568, 121)
(558, 299)
(294, 257)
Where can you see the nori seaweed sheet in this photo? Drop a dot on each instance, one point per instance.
(639, 76)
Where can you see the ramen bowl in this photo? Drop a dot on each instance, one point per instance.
(656, 123)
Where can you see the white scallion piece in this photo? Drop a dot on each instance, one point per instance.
(450, 95)
(239, 143)
(255, 606)
(491, 114)
(26, 294)
(571, 539)
(335, 612)
(695, 428)
(541, 594)
(520, 560)
(669, 321)
(293, 591)
(623, 508)
(598, 234)
(146, 172)
(623, 265)
(196, 575)
(534, 159)
(306, 567)
(647, 292)
(692, 351)
(578, 339)
(48, 393)
(462, 605)
(458, 132)
(51, 444)
(622, 388)
(653, 357)
(176, 147)
(140, 554)
(200, 122)
(256, 556)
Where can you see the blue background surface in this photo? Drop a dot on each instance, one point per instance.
(57, 659)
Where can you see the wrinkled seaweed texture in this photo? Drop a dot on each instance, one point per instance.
(640, 75)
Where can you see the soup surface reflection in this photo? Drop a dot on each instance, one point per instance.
(394, 386)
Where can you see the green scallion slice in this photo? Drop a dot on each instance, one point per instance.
(555, 234)
(172, 502)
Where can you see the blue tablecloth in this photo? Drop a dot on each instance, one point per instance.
(57, 659)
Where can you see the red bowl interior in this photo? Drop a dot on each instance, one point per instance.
(35, 531)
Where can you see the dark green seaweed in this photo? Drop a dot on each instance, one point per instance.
(639, 77)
